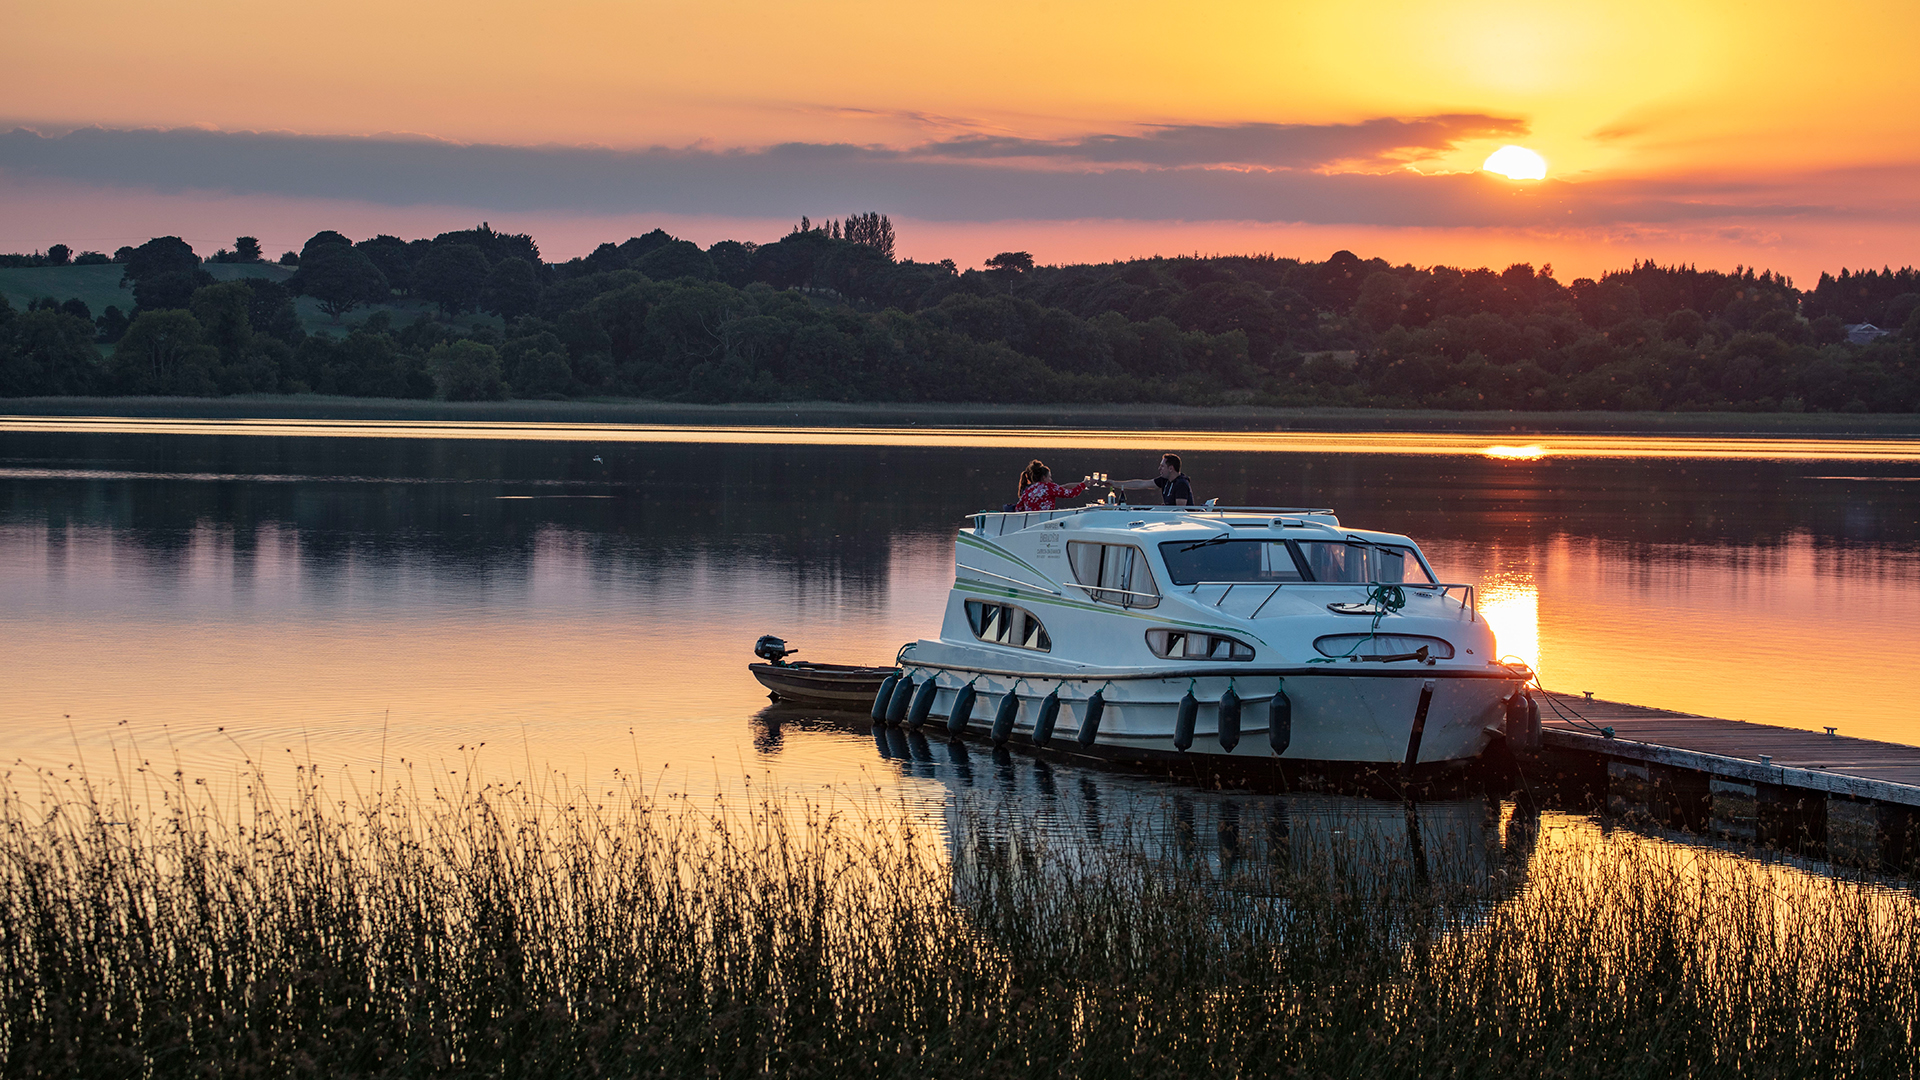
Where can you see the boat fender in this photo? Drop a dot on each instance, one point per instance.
(1280, 722)
(885, 696)
(1183, 721)
(897, 704)
(1049, 713)
(1517, 720)
(922, 705)
(1090, 724)
(962, 710)
(1003, 720)
(1229, 720)
(1533, 723)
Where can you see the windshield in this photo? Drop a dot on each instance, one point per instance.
(1189, 561)
(1280, 561)
(1334, 560)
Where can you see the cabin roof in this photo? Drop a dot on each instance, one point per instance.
(1172, 522)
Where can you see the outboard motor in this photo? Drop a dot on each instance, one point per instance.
(773, 650)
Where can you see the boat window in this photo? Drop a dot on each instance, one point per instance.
(1196, 645)
(1005, 624)
(1118, 570)
(1382, 646)
(1335, 560)
(1220, 559)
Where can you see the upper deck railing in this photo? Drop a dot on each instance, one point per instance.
(1001, 522)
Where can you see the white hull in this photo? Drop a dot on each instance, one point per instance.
(1349, 718)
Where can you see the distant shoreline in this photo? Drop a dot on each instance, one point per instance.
(1144, 417)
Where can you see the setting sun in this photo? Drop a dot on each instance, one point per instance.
(1516, 163)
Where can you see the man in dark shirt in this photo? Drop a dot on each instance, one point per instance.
(1175, 490)
(1173, 485)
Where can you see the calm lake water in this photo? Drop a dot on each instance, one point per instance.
(447, 603)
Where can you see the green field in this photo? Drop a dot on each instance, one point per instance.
(99, 287)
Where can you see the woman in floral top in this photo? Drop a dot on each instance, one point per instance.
(1037, 491)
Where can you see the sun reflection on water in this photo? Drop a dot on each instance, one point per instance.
(1529, 452)
(1511, 605)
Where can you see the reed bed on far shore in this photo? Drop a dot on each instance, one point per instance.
(492, 933)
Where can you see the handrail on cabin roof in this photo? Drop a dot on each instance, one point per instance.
(1154, 508)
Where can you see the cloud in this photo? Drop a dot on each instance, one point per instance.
(1290, 146)
(1171, 173)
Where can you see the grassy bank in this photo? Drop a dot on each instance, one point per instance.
(1147, 417)
(99, 288)
(494, 933)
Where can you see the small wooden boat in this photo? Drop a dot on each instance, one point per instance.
(841, 686)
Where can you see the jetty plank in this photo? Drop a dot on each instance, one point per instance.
(1839, 764)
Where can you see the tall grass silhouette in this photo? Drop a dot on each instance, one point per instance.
(502, 932)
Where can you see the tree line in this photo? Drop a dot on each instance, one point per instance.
(831, 312)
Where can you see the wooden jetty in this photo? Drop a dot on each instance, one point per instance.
(1856, 800)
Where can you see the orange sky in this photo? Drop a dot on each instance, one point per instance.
(1741, 132)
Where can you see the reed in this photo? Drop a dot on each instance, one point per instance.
(499, 932)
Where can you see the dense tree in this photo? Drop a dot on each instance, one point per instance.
(535, 366)
(170, 289)
(157, 257)
(467, 370)
(494, 245)
(636, 247)
(1865, 296)
(511, 289)
(246, 249)
(732, 262)
(870, 230)
(395, 259)
(270, 310)
(371, 362)
(677, 259)
(825, 313)
(58, 254)
(165, 352)
(112, 324)
(223, 312)
(46, 351)
(452, 276)
(323, 238)
(339, 276)
(793, 261)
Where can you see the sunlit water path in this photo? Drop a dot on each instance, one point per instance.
(1802, 448)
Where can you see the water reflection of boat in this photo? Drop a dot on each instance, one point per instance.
(1234, 634)
(1003, 810)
